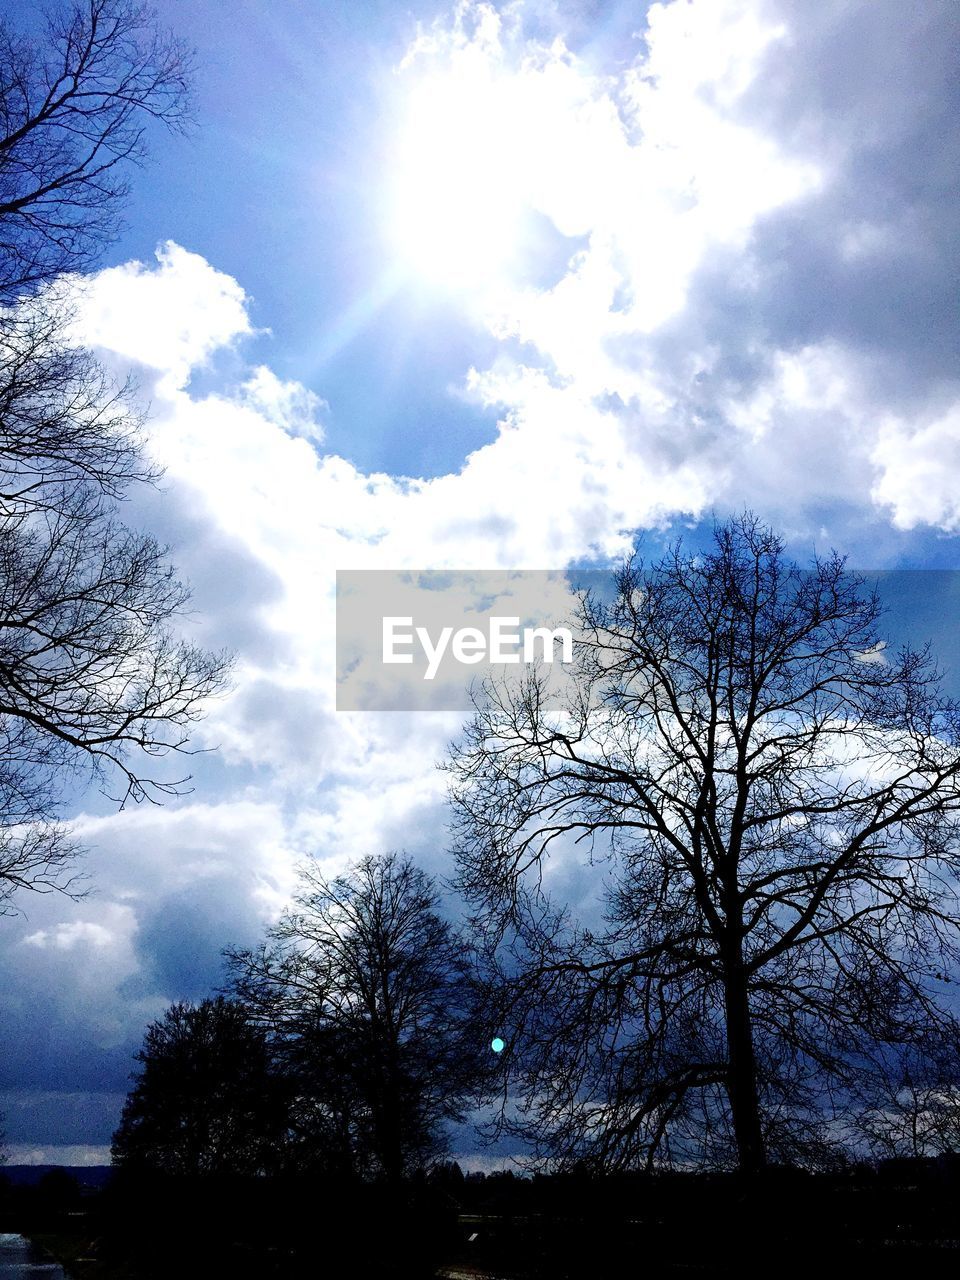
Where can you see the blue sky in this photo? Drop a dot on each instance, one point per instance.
(467, 286)
(295, 104)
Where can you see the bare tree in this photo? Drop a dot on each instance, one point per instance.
(367, 986)
(64, 423)
(915, 1110)
(74, 106)
(92, 678)
(75, 102)
(92, 675)
(773, 796)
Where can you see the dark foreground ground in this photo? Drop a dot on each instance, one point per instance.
(903, 1219)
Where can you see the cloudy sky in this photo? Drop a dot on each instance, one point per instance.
(481, 287)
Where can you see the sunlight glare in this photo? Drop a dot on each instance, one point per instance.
(457, 203)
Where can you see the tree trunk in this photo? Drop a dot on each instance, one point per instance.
(388, 1123)
(391, 1149)
(742, 1071)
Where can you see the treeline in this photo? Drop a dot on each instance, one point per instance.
(898, 1218)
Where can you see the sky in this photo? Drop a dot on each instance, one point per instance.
(482, 287)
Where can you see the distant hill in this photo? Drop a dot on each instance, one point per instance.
(28, 1175)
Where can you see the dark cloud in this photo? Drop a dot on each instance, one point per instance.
(232, 591)
(180, 940)
(61, 1118)
(870, 93)
(52, 1043)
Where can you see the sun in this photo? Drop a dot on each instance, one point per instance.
(456, 199)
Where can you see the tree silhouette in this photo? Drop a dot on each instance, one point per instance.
(366, 989)
(93, 679)
(915, 1108)
(774, 798)
(206, 1099)
(74, 104)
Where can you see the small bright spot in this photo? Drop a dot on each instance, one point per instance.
(497, 1045)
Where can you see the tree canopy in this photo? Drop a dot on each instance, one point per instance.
(366, 991)
(206, 1099)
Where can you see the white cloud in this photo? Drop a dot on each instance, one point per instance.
(619, 408)
(920, 471)
(874, 656)
(67, 937)
(661, 170)
(751, 214)
(651, 164)
(141, 853)
(290, 405)
(85, 1155)
(170, 318)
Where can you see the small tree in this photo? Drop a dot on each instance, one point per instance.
(366, 989)
(206, 1099)
(775, 796)
(915, 1110)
